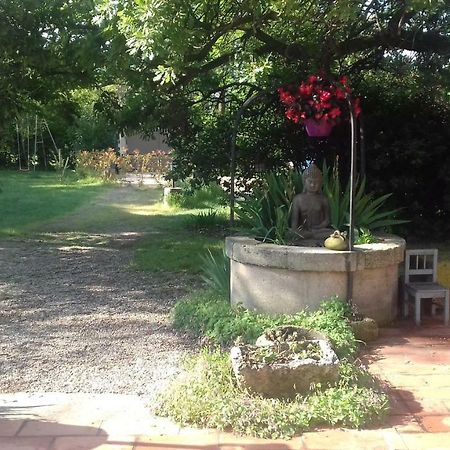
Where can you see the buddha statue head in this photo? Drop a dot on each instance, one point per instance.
(312, 179)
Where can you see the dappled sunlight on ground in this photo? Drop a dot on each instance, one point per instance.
(76, 248)
(141, 209)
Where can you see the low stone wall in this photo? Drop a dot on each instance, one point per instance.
(286, 279)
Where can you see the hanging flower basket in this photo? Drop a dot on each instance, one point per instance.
(318, 103)
(318, 128)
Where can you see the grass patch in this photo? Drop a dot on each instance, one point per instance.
(38, 203)
(210, 196)
(211, 315)
(175, 247)
(175, 252)
(207, 395)
(29, 199)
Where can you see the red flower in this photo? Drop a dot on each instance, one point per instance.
(344, 80)
(325, 105)
(324, 96)
(317, 98)
(285, 96)
(293, 115)
(305, 90)
(357, 106)
(334, 113)
(340, 94)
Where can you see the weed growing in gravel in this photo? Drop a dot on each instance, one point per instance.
(207, 395)
(211, 315)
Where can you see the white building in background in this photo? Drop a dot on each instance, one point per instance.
(130, 143)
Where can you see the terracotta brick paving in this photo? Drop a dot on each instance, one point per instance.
(414, 363)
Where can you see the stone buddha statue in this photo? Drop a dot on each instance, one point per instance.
(310, 209)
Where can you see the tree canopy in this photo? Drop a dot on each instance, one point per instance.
(187, 66)
(180, 41)
(190, 65)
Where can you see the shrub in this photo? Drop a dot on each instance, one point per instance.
(104, 163)
(368, 209)
(267, 210)
(211, 315)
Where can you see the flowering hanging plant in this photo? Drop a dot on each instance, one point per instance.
(317, 98)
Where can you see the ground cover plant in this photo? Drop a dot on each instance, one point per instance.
(28, 199)
(207, 394)
(209, 314)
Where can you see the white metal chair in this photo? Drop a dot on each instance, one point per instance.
(421, 282)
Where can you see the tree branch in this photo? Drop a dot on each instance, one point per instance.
(236, 24)
(289, 51)
(406, 40)
(210, 65)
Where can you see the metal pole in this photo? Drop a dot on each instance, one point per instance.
(233, 165)
(18, 144)
(362, 146)
(35, 143)
(352, 172)
(352, 197)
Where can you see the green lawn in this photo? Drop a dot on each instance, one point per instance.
(27, 199)
(174, 252)
(39, 205)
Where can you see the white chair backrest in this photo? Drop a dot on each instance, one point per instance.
(421, 264)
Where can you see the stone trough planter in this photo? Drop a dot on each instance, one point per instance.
(281, 373)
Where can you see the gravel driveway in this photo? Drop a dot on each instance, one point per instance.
(77, 319)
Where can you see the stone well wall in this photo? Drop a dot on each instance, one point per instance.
(286, 279)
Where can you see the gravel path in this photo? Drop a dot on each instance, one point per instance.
(77, 319)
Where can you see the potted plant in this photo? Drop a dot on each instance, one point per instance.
(318, 103)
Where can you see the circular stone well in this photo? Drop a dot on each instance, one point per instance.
(285, 279)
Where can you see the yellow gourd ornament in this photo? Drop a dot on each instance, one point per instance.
(337, 241)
